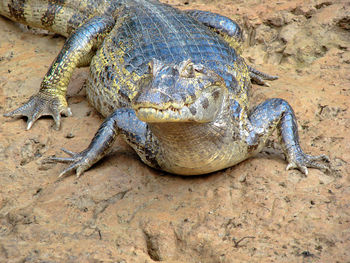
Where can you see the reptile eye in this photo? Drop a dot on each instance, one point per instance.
(198, 68)
(188, 71)
(155, 66)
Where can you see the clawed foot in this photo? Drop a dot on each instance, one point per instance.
(41, 105)
(259, 77)
(80, 162)
(302, 161)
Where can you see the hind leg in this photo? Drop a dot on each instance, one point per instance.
(232, 33)
(259, 77)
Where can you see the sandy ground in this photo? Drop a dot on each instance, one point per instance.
(123, 211)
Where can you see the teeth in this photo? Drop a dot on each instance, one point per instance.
(153, 110)
(160, 115)
(158, 110)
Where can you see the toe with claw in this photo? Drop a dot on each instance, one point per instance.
(79, 162)
(42, 105)
(303, 161)
(259, 77)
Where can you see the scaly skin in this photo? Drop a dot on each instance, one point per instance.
(172, 83)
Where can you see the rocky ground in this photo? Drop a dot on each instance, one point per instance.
(123, 211)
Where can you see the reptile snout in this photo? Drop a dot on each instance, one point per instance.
(178, 93)
(164, 88)
(159, 99)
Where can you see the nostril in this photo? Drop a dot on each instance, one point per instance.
(152, 98)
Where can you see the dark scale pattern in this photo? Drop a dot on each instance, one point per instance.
(153, 30)
(182, 118)
(16, 10)
(48, 19)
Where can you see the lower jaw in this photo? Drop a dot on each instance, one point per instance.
(151, 115)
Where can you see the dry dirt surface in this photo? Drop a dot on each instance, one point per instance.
(123, 211)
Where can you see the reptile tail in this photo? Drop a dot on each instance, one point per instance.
(61, 17)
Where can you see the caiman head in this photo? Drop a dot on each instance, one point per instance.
(184, 92)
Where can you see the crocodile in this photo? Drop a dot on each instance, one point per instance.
(172, 83)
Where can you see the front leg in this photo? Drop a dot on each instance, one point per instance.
(121, 122)
(278, 114)
(51, 99)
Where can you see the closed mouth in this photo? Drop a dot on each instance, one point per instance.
(171, 114)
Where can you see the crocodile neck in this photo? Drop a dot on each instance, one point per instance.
(191, 148)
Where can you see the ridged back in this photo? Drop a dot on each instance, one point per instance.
(145, 30)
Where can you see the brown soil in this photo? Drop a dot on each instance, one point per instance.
(123, 211)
